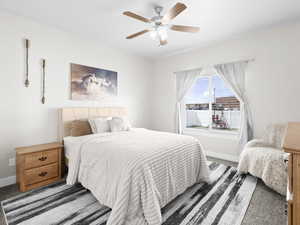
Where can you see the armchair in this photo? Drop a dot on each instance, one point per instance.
(264, 158)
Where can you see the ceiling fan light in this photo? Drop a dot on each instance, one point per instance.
(153, 34)
(162, 32)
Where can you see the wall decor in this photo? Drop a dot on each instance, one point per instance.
(89, 83)
(27, 43)
(43, 81)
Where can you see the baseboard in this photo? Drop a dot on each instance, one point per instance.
(223, 156)
(7, 181)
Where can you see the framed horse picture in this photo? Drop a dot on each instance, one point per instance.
(89, 83)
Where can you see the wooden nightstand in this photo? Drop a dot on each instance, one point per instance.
(38, 165)
(292, 145)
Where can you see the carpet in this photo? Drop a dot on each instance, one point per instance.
(222, 202)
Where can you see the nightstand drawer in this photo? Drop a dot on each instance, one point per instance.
(41, 158)
(40, 174)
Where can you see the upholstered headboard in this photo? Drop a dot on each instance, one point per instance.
(67, 115)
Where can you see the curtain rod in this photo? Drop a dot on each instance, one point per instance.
(211, 65)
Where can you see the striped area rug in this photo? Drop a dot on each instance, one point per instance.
(222, 202)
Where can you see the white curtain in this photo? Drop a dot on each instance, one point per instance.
(234, 76)
(184, 81)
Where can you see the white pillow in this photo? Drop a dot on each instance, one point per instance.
(119, 124)
(100, 124)
(92, 125)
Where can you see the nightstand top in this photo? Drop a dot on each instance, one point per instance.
(292, 138)
(38, 148)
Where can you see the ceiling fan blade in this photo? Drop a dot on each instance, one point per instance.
(181, 28)
(163, 42)
(173, 12)
(137, 34)
(135, 16)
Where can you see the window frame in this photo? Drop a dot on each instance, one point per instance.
(209, 130)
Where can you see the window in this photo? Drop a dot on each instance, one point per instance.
(211, 105)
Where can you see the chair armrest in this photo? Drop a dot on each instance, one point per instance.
(256, 143)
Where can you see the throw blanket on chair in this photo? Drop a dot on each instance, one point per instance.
(265, 159)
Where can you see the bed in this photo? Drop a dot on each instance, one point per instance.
(135, 172)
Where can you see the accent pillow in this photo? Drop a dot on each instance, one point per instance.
(80, 128)
(92, 125)
(100, 124)
(119, 124)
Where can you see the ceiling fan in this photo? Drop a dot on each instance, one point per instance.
(160, 24)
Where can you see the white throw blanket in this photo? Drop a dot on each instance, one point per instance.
(137, 172)
(266, 163)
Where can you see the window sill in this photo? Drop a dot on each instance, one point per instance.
(212, 133)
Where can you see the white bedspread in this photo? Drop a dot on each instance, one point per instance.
(136, 172)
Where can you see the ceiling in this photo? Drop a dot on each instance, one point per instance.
(103, 20)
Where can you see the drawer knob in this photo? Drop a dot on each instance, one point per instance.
(42, 174)
(286, 209)
(43, 158)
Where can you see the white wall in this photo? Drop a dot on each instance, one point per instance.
(273, 80)
(23, 119)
